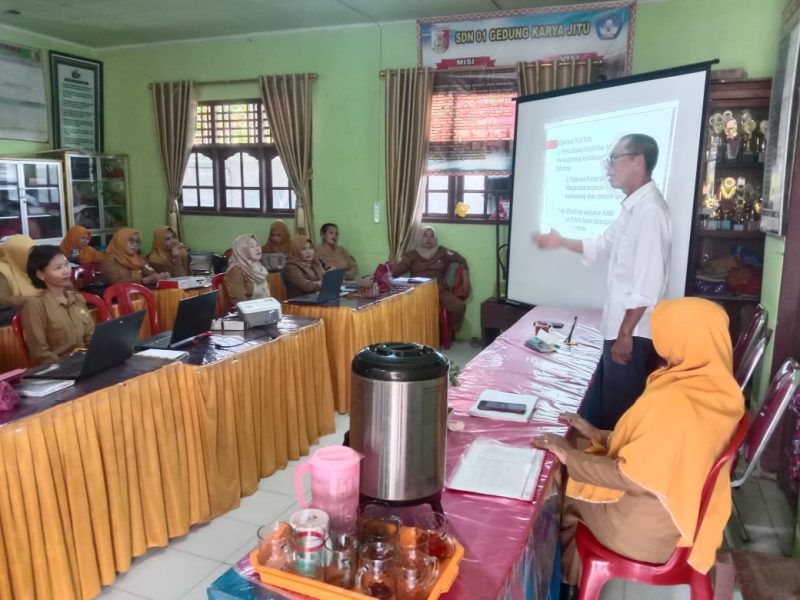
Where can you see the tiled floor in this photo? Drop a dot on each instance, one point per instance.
(191, 563)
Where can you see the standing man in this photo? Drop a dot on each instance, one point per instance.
(637, 245)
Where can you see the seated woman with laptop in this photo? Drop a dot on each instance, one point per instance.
(55, 321)
(167, 254)
(246, 277)
(124, 262)
(303, 271)
(332, 255)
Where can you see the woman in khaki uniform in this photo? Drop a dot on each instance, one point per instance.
(124, 263)
(332, 255)
(638, 487)
(303, 271)
(246, 277)
(168, 255)
(55, 321)
(15, 285)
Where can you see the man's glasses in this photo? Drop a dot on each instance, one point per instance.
(609, 162)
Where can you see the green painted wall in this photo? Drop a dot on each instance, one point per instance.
(348, 131)
(15, 36)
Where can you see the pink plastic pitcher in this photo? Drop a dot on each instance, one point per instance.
(334, 485)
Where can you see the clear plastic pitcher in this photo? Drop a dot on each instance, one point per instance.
(334, 474)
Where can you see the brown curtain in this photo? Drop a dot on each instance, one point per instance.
(543, 76)
(408, 114)
(287, 100)
(175, 107)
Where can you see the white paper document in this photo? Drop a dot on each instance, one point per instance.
(496, 469)
(38, 388)
(161, 353)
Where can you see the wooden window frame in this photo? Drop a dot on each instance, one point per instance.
(265, 152)
(455, 192)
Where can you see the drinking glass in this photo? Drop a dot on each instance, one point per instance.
(434, 525)
(375, 575)
(274, 545)
(415, 575)
(341, 560)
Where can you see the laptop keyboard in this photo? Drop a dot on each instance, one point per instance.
(161, 340)
(69, 368)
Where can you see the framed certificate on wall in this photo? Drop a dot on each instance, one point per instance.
(77, 86)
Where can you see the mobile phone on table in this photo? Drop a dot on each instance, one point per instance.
(506, 407)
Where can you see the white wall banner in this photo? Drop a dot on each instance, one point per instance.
(592, 31)
(23, 102)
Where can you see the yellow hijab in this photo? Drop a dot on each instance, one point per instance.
(676, 430)
(72, 241)
(14, 253)
(286, 237)
(159, 255)
(118, 248)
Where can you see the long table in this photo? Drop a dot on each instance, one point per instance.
(509, 545)
(405, 314)
(94, 475)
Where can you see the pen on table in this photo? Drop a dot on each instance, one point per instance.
(571, 330)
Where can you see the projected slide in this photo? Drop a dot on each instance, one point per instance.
(560, 182)
(578, 201)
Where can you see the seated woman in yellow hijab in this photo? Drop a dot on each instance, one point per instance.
(303, 271)
(168, 255)
(276, 250)
(637, 488)
(15, 285)
(124, 263)
(75, 246)
(56, 320)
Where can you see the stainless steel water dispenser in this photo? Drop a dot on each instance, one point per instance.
(398, 420)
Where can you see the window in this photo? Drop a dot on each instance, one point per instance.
(234, 167)
(471, 141)
(481, 193)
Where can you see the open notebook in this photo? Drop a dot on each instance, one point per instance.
(497, 469)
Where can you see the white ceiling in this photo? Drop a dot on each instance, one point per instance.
(105, 23)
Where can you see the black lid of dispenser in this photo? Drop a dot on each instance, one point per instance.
(400, 361)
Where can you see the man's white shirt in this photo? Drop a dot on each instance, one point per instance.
(638, 246)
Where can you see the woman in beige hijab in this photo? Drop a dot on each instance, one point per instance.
(429, 259)
(15, 285)
(246, 277)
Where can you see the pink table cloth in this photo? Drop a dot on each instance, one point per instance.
(509, 544)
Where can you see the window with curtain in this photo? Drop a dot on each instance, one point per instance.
(471, 146)
(234, 167)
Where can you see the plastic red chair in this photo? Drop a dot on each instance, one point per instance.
(222, 300)
(16, 327)
(749, 335)
(752, 357)
(444, 327)
(778, 397)
(601, 564)
(85, 274)
(103, 312)
(122, 294)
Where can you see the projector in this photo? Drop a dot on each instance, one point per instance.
(184, 283)
(262, 311)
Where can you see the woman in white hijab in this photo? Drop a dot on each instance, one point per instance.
(246, 277)
(429, 259)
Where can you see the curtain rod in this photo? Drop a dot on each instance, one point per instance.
(232, 81)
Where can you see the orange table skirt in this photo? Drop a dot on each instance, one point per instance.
(89, 484)
(167, 303)
(11, 354)
(412, 316)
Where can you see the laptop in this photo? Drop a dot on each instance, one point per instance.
(331, 286)
(111, 345)
(193, 318)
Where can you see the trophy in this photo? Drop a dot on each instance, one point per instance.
(716, 124)
(732, 140)
(760, 139)
(740, 205)
(749, 127)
